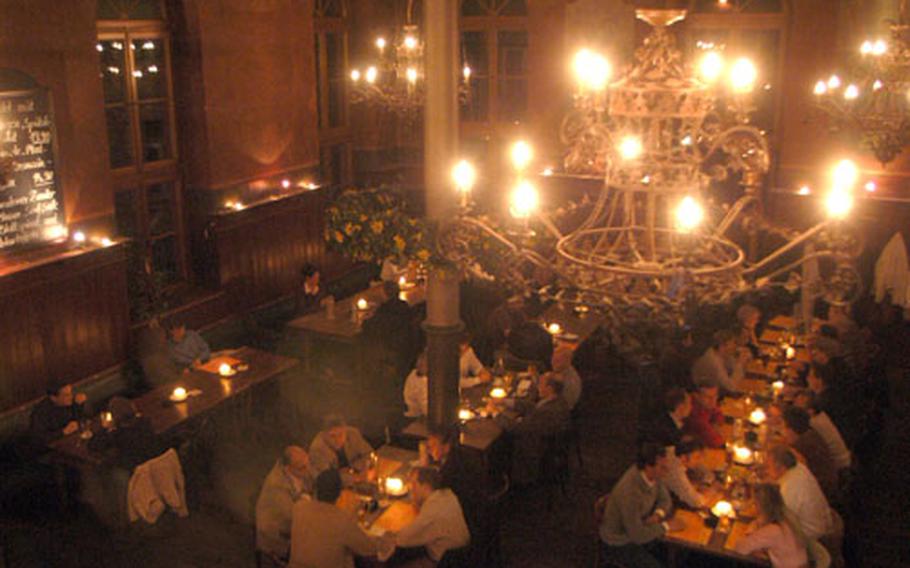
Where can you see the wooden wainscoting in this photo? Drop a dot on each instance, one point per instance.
(63, 318)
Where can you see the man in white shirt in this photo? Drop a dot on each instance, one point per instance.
(440, 524)
(564, 372)
(722, 364)
(676, 479)
(415, 385)
(801, 492)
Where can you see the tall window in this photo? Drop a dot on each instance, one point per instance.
(134, 66)
(494, 40)
(750, 28)
(331, 24)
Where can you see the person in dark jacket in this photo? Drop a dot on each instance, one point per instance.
(128, 439)
(666, 429)
(456, 472)
(531, 342)
(311, 294)
(57, 415)
(392, 332)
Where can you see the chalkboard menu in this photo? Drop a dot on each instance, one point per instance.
(31, 210)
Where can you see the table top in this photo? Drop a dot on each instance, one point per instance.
(392, 514)
(572, 323)
(212, 389)
(344, 325)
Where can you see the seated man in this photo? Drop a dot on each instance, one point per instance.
(322, 534)
(57, 415)
(129, 438)
(440, 524)
(822, 423)
(187, 347)
(391, 331)
(153, 352)
(530, 343)
(415, 385)
(679, 460)
(705, 417)
(472, 372)
(638, 511)
(567, 375)
(748, 317)
(666, 429)
(342, 447)
(455, 473)
(798, 433)
(801, 492)
(548, 417)
(289, 481)
(721, 364)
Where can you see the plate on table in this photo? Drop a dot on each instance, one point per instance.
(570, 337)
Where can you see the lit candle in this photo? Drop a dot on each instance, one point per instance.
(402, 281)
(362, 304)
(777, 386)
(758, 416)
(498, 392)
(791, 352)
(554, 328)
(742, 454)
(394, 486)
(465, 414)
(107, 419)
(722, 509)
(179, 394)
(224, 369)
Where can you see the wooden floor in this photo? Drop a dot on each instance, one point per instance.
(219, 531)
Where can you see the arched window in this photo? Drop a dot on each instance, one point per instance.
(494, 39)
(134, 58)
(331, 26)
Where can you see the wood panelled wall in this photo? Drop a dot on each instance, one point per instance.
(61, 322)
(257, 253)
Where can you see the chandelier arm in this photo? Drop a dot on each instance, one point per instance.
(805, 236)
(549, 225)
(732, 214)
(750, 132)
(610, 215)
(802, 260)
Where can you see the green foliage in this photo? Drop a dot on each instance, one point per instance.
(371, 225)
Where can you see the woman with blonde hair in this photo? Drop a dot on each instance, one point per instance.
(776, 532)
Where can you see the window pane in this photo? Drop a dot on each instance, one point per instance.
(113, 69)
(328, 9)
(514, 8)
(119, 137)
(513, 49)
(125, 213)
(129, 10)
(475, 109)
(149, 68)
(154, 122)
(164, 259)
(513, 99)
(472, 8)
(334, 55)
(474, 52)
(160, 201)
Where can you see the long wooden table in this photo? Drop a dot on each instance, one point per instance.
(165, 415)
(347, 322)
(392, 514)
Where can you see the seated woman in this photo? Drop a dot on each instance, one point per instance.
(776, 532)
(57, 415)
(311, 295)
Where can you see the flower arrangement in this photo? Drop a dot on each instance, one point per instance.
(371, 225)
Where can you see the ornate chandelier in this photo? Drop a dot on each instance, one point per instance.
(663, 137)
(873, 101)
(396, 81)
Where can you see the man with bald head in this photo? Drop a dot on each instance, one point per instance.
(290, 480)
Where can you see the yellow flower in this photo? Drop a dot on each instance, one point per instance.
(348, 229)
(423, 254)
(376, 226)
(363, 218)
(399, 242)
(339, 237)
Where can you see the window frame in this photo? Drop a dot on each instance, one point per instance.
(491, 25)
(141, 175)
(331, 136)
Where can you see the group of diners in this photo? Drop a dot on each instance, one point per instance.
(299, 522)
(800, 488)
